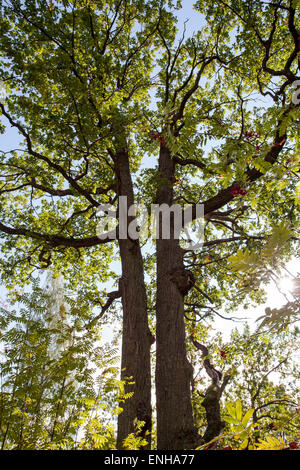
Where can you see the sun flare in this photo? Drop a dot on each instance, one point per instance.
(286, 285)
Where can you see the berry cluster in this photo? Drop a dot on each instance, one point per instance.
(236, 190)
(256, 135)
(249, 134)
(223, 354)
(158, 137)
(293, 445)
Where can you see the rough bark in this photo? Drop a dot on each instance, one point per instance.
(211, 404)
(175, 427)
(136, 338)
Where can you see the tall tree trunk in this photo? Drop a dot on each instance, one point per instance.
(137, 338)
(175, 427)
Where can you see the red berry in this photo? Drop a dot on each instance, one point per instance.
(237, 191)
(154, 136)
(227, 448)
(158, 137)
(223, 354)
(293, 445)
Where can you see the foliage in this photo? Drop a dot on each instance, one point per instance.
(85, 79)
(51, 395)
(263, 382)
(134, 441)
(271, 443)
(280, 318)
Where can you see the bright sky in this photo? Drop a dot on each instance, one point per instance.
(275, 299)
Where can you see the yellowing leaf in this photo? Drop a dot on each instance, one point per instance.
(271, 443)
(247, 416)
(231, 420)
(239, 410)
(231, 410)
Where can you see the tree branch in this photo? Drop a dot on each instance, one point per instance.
(59, 240)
